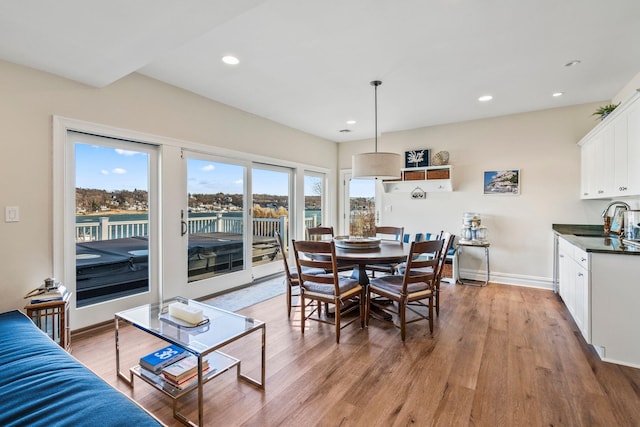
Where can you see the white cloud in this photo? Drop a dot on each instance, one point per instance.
(127, 152)
(238, 182)
(104, 172)
(208, 168)
(119, 171)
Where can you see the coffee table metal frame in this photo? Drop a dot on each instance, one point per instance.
(205, 342)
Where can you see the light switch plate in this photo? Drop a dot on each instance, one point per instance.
(12, 214)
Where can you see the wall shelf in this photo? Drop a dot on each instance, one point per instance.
(429, 179)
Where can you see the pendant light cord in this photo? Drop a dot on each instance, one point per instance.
(375, 85)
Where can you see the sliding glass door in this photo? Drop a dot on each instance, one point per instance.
(215, 218)
(271, 211)
(138, 218)
(112, 221)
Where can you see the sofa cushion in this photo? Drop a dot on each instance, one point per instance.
(42, 385)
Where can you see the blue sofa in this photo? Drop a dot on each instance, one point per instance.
(42, 385)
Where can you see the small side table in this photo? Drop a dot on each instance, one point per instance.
(53, 318)
(462, 245)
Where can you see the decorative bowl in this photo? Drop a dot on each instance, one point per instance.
(356, 242)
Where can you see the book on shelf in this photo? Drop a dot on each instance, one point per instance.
(162, 358)
(186, 382)
(183, 368)
(54, 294)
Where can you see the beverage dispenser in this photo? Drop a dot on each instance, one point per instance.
(472, 228)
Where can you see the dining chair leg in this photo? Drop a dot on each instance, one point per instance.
(431, 315)
(437, 297)
(363, 309)
(289, 296)
(337, 319)
(403, 318)
(303, 311)
(367, 309)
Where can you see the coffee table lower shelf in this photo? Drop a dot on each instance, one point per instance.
(219, 363)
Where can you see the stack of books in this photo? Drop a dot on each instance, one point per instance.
(160, 359)
(42, 295)
(184, 373)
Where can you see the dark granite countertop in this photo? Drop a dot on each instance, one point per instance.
(591, 238)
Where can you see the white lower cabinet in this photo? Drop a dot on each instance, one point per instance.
(602, 293)
(574, 284)
(615, 316)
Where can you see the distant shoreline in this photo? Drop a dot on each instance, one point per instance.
(113, 212)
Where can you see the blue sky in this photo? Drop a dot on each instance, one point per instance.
(115, 169)
(110, 169)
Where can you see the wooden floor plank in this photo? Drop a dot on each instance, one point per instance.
(499, 356)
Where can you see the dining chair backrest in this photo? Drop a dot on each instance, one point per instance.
(284, 255)
(387, 232)
(447, 239)
(314, 254)
(421, 268)
(320, 233)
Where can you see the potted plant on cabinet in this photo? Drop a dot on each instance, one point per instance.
(605, 110)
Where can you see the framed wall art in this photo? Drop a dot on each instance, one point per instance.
(417, 158)
(502, 182)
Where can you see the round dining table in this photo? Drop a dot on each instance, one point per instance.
(389, 252)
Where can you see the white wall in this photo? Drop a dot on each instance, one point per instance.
(541, 144)
(628, 90)
(29, 100)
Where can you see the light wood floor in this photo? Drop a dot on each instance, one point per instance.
(499, 356)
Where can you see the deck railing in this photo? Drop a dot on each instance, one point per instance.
(103, 229)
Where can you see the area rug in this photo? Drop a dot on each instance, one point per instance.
(250, 295)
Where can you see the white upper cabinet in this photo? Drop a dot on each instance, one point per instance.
(633, 149)
(610, 154)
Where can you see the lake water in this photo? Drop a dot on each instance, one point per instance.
(143, 216)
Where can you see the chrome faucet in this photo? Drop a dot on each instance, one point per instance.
(615, 203)
(607, 218)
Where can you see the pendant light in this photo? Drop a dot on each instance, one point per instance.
(376, 165)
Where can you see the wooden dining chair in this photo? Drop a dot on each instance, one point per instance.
(447, 239)
(410, 290)
(346, 294)
(386, 233)
(320, 233)
(291, 275)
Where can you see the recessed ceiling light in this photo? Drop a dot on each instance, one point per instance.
(557, 94)
(485, 98)
(230, 60)
(572, 63)
(351, 122)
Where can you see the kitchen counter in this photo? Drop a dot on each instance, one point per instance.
(598, 287)
(591, 238)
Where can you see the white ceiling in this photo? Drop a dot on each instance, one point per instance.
(307, 64)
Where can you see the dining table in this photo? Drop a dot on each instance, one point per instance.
(388, 252)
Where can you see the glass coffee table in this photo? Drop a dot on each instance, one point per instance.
(204, 341)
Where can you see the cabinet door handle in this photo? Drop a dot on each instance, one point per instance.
(622, 189)
(580, 274)
(583, 259)
(600, 191)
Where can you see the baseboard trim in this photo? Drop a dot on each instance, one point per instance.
(510, 279)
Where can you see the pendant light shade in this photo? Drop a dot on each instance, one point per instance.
(376, 165)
